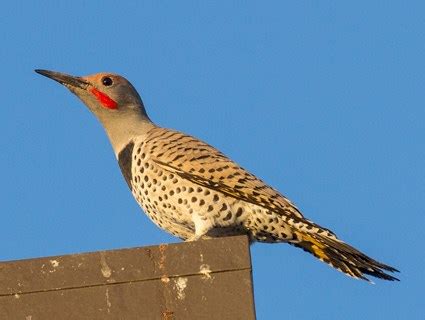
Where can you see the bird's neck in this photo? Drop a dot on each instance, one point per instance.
(123, 130)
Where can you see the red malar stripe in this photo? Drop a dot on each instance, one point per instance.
(104, 99)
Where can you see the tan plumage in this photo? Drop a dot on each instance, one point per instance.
(270, 217)
(192, 190)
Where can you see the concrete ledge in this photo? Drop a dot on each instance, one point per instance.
(208, 279)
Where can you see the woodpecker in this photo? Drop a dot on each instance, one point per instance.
(193, 191)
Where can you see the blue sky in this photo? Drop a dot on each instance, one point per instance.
(323, 100)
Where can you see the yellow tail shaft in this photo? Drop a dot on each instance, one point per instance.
(342, 256)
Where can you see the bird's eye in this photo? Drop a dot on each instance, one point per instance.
(106, 81)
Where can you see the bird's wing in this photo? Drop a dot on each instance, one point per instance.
(202, 164)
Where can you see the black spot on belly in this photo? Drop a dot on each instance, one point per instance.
(124, 160)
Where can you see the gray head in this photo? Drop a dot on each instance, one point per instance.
(113, 100)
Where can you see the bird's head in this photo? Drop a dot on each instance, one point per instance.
(113, 100)
(105, 94)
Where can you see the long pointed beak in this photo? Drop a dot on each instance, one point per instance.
(64, 79)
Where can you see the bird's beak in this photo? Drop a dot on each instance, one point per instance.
(65, 79)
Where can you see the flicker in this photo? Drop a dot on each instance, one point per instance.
(193, 191)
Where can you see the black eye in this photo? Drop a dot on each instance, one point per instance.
(107, 81)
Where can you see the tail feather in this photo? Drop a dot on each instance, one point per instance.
(342, 256)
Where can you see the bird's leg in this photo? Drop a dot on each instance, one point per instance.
(202, 226)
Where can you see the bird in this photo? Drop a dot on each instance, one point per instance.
(193, 191)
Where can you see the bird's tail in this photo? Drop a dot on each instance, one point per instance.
(342, 256)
